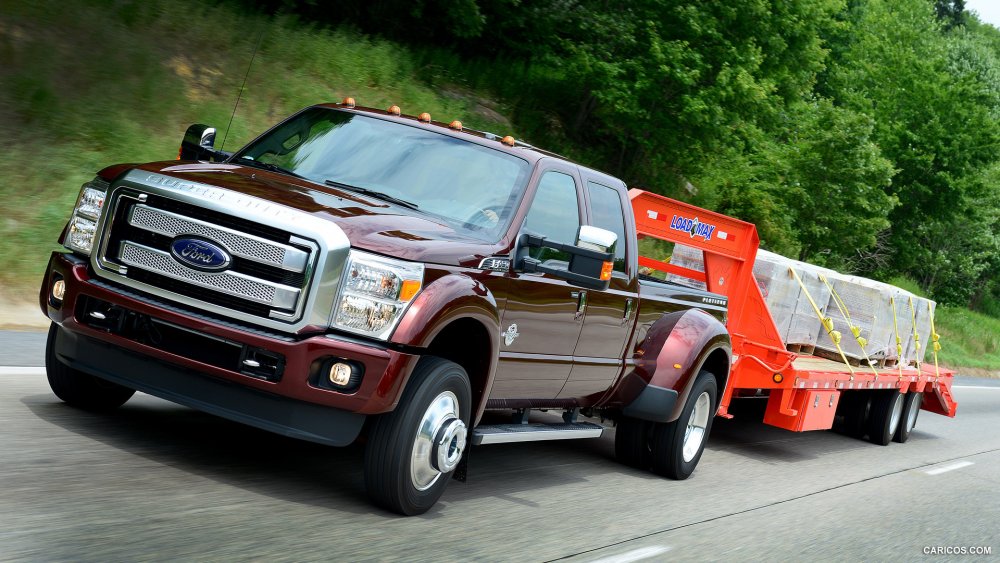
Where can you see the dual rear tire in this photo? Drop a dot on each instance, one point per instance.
(882, 416)
(671, 449)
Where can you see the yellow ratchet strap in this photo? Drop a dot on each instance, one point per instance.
(935, 339)
(916, 337)
(899, 342)
(826, 321)
(855, 329)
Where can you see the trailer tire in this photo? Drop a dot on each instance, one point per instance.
(413, 451)
(852, 413)
(911, 408)
(77, 388)
(632, 442)
(677, 446)
(886, 414)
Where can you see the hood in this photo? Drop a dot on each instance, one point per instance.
(370, 224)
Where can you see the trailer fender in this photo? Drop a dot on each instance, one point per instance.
(675, 350)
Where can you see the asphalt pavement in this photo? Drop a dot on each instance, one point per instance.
(156, 481)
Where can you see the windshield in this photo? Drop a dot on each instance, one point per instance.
(473, 188)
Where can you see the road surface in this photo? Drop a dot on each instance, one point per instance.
(158, 481)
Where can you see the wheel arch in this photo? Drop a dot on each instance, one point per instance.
(456, 318)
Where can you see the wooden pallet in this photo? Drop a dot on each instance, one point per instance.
(802, 349)
(855, 362)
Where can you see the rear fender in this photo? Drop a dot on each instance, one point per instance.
(668, 361)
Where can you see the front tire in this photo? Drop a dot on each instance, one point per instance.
(77, 388)
(413, 450)
(677, 446)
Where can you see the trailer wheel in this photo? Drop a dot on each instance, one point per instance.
(911, 408)
(413, 450)
(852, 413)
(77, 388)
(632, 442)
(886, 413)
(677, 446)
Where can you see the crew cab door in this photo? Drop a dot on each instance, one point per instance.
(610, 314)
(543, 315)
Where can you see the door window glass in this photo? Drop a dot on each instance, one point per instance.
(606, 207)
(554, 215)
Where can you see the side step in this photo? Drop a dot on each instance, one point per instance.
(534, 432)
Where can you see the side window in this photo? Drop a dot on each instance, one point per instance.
(554, 214)
(606, 208)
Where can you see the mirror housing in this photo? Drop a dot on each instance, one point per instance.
(591, 259)
(199, 144)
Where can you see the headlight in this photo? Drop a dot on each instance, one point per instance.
(374, 293)
(83, 222)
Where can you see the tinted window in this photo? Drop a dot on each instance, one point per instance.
(554, 214)
(471, 187)
(606, 206)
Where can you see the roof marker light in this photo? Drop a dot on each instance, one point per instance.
(394, 110)
(348, 101)
(425, 117)
(456, 125)
(508, 140)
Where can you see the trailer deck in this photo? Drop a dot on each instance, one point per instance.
(803, 391)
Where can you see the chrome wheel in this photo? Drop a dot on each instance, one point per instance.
(439, 443)
(694, 434)
(897, 413)
(911, 418)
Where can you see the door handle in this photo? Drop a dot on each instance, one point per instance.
(629, 306)
(581, 303)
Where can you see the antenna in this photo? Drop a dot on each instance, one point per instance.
(240, 95)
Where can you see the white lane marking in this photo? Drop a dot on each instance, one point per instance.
(974, 387)
(8, 370)
(635, 555)
(947, 468)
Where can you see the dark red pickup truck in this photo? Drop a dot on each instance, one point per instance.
(356, 273)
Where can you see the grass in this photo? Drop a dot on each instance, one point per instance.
(88, 83)
(970, 341)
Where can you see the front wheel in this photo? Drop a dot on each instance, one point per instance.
(413, 450)
(77, 388)
(677, 446)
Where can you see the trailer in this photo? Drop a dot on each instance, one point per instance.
(804, 391)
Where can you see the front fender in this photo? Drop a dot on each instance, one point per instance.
(447, 299)
(668, 361)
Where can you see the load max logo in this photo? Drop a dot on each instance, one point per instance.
(693, 227)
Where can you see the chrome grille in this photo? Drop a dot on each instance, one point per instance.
(286, 263)
(246, 246)
(275, 295)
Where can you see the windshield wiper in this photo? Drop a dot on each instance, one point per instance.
(373, 193)
(268, 166)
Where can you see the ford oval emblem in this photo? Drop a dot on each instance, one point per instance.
(200, 254)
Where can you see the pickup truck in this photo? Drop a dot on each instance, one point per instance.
(358, 274)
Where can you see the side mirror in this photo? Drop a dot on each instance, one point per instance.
(591, 260)
(199, 144)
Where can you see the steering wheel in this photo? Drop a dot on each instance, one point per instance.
(487, 217)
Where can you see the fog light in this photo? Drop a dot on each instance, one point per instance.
(58, 290)
(340, 374)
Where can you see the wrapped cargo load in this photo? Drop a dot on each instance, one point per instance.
(923, 309)
(690, 258)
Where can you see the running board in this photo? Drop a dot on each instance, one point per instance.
(534, 432)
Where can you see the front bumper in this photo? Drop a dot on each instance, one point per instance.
(291, 404)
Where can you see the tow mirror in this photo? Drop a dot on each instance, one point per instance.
(591, 259)
(199, 144)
